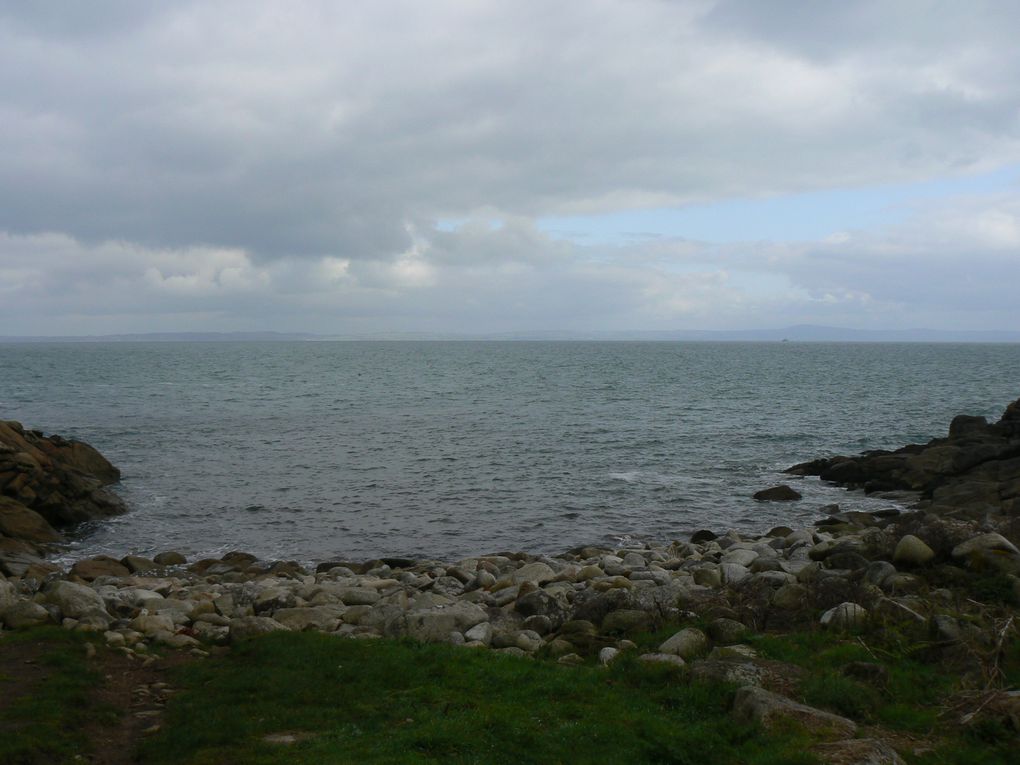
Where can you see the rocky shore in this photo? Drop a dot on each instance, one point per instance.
(47, 483)
(946, 572)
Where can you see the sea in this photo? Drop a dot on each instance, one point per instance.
(313, 451)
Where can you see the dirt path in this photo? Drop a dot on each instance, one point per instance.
(128, 703)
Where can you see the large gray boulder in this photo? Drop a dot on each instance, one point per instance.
(8, 594)
(23, 615)
(687, 643)
(989, 551)
(434, 625)
(74, 599)
(248, 627)
(753, 704)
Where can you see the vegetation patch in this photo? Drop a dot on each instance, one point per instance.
(335, 700)
(44, 722)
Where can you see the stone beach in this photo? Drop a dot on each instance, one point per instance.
(910, 570)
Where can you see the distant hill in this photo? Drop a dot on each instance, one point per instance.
(804, 333)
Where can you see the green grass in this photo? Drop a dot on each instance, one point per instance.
(394, 702)
(908, 700)
(45, 726)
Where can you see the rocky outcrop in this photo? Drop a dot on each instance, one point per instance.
(47, 482)
(973, 472)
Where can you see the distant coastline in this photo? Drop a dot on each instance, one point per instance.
(803, 333)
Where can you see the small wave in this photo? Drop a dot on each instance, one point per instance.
(630, 476)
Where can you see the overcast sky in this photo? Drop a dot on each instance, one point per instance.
(466, 166)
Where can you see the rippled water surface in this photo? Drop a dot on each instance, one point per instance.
(315, 450)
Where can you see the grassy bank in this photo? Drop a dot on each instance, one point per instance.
(392, 702)
(315, 698)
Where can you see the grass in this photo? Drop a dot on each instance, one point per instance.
(399, 702)
(395, 702)
(45, 725)
(910, 700)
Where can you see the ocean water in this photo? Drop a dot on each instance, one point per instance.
(318, 450)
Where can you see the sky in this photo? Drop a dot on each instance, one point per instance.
(466, 166)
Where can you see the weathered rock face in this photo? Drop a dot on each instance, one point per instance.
(49, 481)
(972, 472)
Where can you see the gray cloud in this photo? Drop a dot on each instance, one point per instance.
(316, 129)
(223, 159)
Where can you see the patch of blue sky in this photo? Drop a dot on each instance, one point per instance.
(796, 217)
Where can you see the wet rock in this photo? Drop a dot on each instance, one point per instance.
(170, 558)
(102, 565)
(136, 564)
(781, 493)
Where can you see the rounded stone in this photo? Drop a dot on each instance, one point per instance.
(912, 551)
(845, 616)
(687, 643)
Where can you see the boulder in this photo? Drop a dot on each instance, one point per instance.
(989, 551)
(152, 624)
(62, 480)
(73, 599)
(136, 564)
(968, 473)
(754, 704)
(102, 565)
(687, 643)
(626, 621)
(781, 493)
(8, 594)
(536, 573)
(248, 627)
(434, 625)
(170, 558)
(912, 551)
(21, 522)
(23, 615)
(321, 618)
(728, 671)
(845, 616)
(726, 631)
